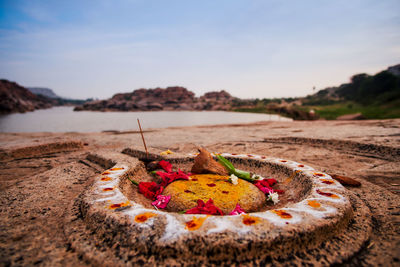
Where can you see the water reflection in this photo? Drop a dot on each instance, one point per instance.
(64, 119)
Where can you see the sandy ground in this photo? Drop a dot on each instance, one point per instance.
(37, 186)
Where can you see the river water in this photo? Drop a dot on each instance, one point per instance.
(64, 119)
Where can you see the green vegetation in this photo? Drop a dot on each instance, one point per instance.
(381, 88)
(374, 96)
(331, 112)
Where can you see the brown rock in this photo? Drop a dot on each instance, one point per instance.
(171, 98)
(346, 180)
(15, 98)
(204, 163)
(218, 95)
(184, 194)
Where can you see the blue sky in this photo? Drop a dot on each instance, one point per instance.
(251, 49)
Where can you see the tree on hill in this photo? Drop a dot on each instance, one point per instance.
(381, 88)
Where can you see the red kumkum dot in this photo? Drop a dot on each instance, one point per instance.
(249, 220)
(211, 185)
(141, 218)
(116, 206)
(319, 174)
(191, 224)
(326, 194)
(283, 160)
(195, 223)
(106, 178)
(283, 214)
(263, 157)
(327, 181)
(116, 169)
(108, 189)
(301, 165)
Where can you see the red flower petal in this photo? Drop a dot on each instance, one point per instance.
(172, 176)
(205, 208)
(280, 192)
(165, 165)
(150, 189)
(263, 186)
(271, 181)
(166, 177)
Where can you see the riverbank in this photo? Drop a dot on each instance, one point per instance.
(39, 183)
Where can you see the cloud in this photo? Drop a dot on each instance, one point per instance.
(262, 49)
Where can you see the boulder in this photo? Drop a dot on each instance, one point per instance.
(204, 163)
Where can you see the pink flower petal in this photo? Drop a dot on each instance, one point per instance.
(161, 201)
(237, 211)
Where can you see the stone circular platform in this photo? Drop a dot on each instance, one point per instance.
(315, 208)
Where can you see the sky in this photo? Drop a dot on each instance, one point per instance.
(250, 48)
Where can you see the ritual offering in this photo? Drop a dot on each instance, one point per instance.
(205, 207)
(220, 185)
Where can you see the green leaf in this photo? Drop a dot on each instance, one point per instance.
(244, 175)
(133, 182)
(226, 163)
(231, 169)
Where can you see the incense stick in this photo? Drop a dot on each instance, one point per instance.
(144, 142)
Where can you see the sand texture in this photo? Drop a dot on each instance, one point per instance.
(43, 176)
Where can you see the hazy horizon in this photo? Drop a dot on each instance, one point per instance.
(257, 49)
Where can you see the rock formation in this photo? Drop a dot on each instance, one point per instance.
(170, 98)
(15, 98)
(221, 100)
